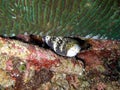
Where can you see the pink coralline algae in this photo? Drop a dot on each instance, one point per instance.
(22, 61)
(27, 53)
(27, 64)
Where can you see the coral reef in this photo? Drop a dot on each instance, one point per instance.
(26, 64)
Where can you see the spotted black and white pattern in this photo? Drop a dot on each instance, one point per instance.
(62, 45)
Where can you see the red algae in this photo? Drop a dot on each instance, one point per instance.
(9, 65)
(25, 60)
(41, 58)
(91, 58)
(42, 63)
(104, 44)
(30, 67)
(100, 50)
(28, 52)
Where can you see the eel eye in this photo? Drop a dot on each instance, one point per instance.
(46, 38)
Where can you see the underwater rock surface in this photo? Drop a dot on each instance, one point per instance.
(27, 65)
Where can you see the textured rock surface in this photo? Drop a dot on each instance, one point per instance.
(27, 66)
